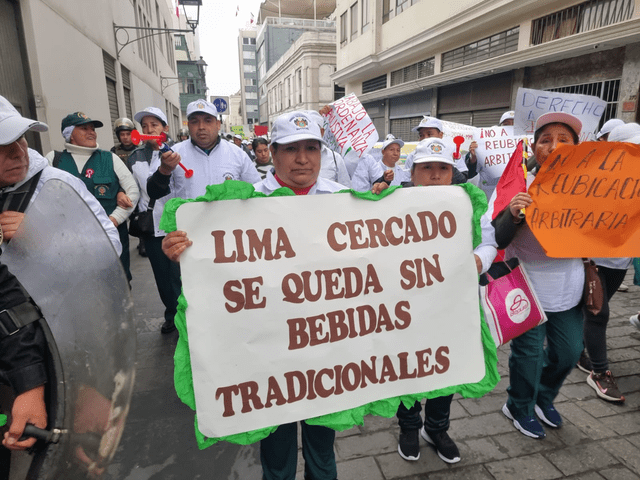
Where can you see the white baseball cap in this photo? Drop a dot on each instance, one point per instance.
(627, 132)
(391, 139)
(510, 115)
(316, 117)
(429, 122)
(608, 127)
(293, 127)
(433, 150)
(202, 106)
(13, 125)
(569, 120)
(151, 112)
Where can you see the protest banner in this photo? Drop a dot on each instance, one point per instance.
(530, 104)
(586, 201)
(299, 315)
(350, 130)
(238, 129)
(495, 146)
(452, 129)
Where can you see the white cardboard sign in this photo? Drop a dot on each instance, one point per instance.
(530, 104)
(304, 306)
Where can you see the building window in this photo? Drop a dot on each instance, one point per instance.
(250, 82)
(391, 8)
(365, 15)
(422, 69)
(248, 41)
(607, 90)
(112, 95)
(343, 29)
(248, 55)
(374, 84)
(580, 18)
(402, 5)
(251, 95)
(354, 20)
(249, 68)
(299, 86)
(493, 46)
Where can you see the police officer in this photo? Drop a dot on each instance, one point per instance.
(183, 134)
(102, 172)
(123, 129)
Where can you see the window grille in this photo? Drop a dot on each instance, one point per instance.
(580, 18)
(607, 90)
(418, 70)
(374, 84)
(493, 46)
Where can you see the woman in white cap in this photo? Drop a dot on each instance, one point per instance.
(536, 373)
(295, 149)
(371, 171)
(607, 128)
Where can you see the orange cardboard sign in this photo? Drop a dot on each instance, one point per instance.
(586, 201)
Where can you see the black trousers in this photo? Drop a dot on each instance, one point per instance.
(125, 256)
(166, 274)
(436, 415)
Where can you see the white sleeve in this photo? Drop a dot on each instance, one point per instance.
(367, 171)
(50, 156)
(343, 174)
(249, 172)
(130, 187)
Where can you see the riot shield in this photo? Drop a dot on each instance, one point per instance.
(64, 259)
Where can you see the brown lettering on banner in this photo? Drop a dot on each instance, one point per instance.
(258, 246)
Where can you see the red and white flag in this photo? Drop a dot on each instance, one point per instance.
(512, 181)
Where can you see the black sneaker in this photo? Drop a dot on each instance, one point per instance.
(409, 445)
(168, 326)
(605, 386)
(446, 448)
(584, 363)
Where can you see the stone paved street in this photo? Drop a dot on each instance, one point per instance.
(599, 440)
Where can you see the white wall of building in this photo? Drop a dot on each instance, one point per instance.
(65, 43)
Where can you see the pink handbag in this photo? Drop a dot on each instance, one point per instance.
(510, 304)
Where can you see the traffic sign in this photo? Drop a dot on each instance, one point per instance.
(221, 103)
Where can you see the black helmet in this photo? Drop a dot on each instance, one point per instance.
(183, 132)
(124, 124)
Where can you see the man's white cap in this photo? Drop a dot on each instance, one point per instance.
(608, 127)
(151, 112)
(293, 127)
(569, 120)
(391, 139)
(238, 136)
(202, 106)
(510, 115)
(433, 150)
(429, 122)
(13, 125)
(627, 132)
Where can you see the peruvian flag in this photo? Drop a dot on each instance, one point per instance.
(512, 181)
(177, 10)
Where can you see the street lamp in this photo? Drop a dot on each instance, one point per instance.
(124, 34)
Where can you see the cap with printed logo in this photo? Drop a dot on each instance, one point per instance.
(429, 122)
(202, 106)
(293, 127)
(151, 112)
(433, 150)
(510, 115)
(13, 125)
(391, 139)
(78, 118)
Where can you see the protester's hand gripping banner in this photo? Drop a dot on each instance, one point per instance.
(530, 104)
(349, 130)
(334, 316)
(586, 201)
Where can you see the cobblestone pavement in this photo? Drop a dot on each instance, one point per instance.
(599, 440)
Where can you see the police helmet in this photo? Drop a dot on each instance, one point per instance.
(124, 124)
(183, 132)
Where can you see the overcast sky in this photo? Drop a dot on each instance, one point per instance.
(218, 30)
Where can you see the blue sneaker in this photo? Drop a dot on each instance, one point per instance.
(549, 415)
(529, 426)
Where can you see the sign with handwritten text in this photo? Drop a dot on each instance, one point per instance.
(530, 104)
(586, 201)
